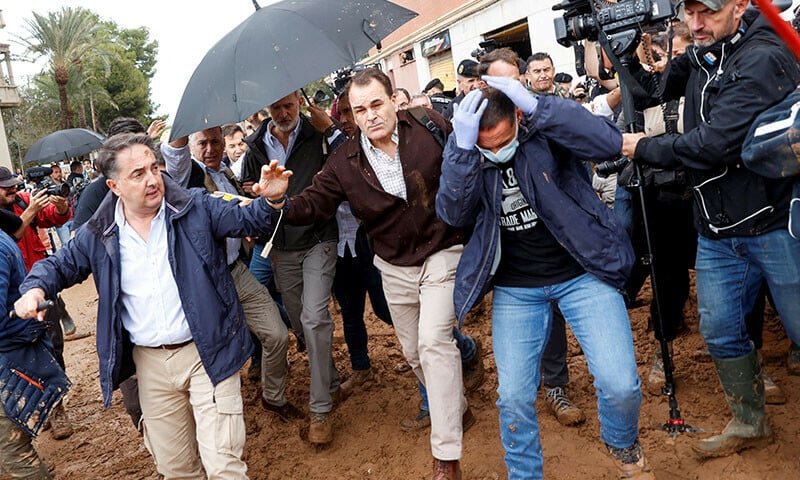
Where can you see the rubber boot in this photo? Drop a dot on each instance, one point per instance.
(66, 318)
(744, 390)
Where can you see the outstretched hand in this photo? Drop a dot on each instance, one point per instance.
(515, 91)
(467, 119)
(273, 184)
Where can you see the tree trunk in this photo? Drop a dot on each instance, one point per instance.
(94, 114)
(82, 115)
(62, 97)
(61, 75)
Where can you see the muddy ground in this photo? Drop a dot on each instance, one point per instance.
(368, 442)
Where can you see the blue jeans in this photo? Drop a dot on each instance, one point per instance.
(261, 268)
(521, 323)
(467, 348)
(623, 209)
(729, 275)
(63, 234)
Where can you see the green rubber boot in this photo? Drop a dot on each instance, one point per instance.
(66, 318)
(744, 390)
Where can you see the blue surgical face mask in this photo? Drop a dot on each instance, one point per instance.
(504, 154)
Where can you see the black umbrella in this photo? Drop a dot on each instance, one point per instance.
(63, 145)
(278, 49)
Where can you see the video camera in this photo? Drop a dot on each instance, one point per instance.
(343, 75)
(483, 48)
(622, 22)
(38, 176)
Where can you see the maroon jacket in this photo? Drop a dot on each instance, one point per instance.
(402, 233)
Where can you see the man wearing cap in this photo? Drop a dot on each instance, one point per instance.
(467, 80)
(563, 80)
(741, 216)
(441, 102)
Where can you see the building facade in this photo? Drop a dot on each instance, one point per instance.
(447, 32)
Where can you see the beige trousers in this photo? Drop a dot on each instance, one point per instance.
(421, 303)
(192, 428)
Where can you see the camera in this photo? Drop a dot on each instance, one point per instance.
(343, 75)
(483, 48)
(622, 22)
(38, 176)
(582, 86)
(610, 167)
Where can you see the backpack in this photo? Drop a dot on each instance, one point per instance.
(772, 149)
(421, 116)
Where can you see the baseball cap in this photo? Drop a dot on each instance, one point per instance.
(468, 68)
(562, 77)
(715, 5)
(433, 83)
(7, 179)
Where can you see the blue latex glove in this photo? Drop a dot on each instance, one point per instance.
(467, 119)
(514, 90)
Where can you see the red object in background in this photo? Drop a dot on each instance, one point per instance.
(781, 26)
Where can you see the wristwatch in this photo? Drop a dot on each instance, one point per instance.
(330, 130)
(280, 200)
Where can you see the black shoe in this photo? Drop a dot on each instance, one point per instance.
(301, 345)
(285, 412)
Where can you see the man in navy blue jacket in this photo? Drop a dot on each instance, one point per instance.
(167, 305)
(26, 361)
(541, 236)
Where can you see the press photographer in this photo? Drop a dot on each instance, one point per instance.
(46, 207)
(741, 217)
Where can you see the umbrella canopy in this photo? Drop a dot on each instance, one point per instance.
(278, 49)
(63, 145)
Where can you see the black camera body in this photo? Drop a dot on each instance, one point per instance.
(622, 22)
(483, 48)
(343, 75)
(38, 176)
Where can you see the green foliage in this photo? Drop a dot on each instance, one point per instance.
(67, 38)
(94, 66)
(128, 81)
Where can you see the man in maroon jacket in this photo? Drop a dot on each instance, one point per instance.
(390, 175)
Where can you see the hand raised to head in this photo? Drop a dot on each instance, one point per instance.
(467, 119)
(515, 91)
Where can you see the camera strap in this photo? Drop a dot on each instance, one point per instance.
(18, 201)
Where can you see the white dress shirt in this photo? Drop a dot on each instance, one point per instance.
(152, 311)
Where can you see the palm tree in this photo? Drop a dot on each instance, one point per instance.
(68, 38)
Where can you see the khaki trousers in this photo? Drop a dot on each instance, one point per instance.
(421, 303)
(264, 320)
(190, 426)
(305, 279)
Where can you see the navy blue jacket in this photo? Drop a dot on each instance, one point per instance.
(561, 134)
(31, 381)
(197, 225)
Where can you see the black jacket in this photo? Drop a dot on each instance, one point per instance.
(726, 86)
(308, 155)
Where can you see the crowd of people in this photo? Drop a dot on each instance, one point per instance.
(209, 250)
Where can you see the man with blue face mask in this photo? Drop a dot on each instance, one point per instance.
(541, 236)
